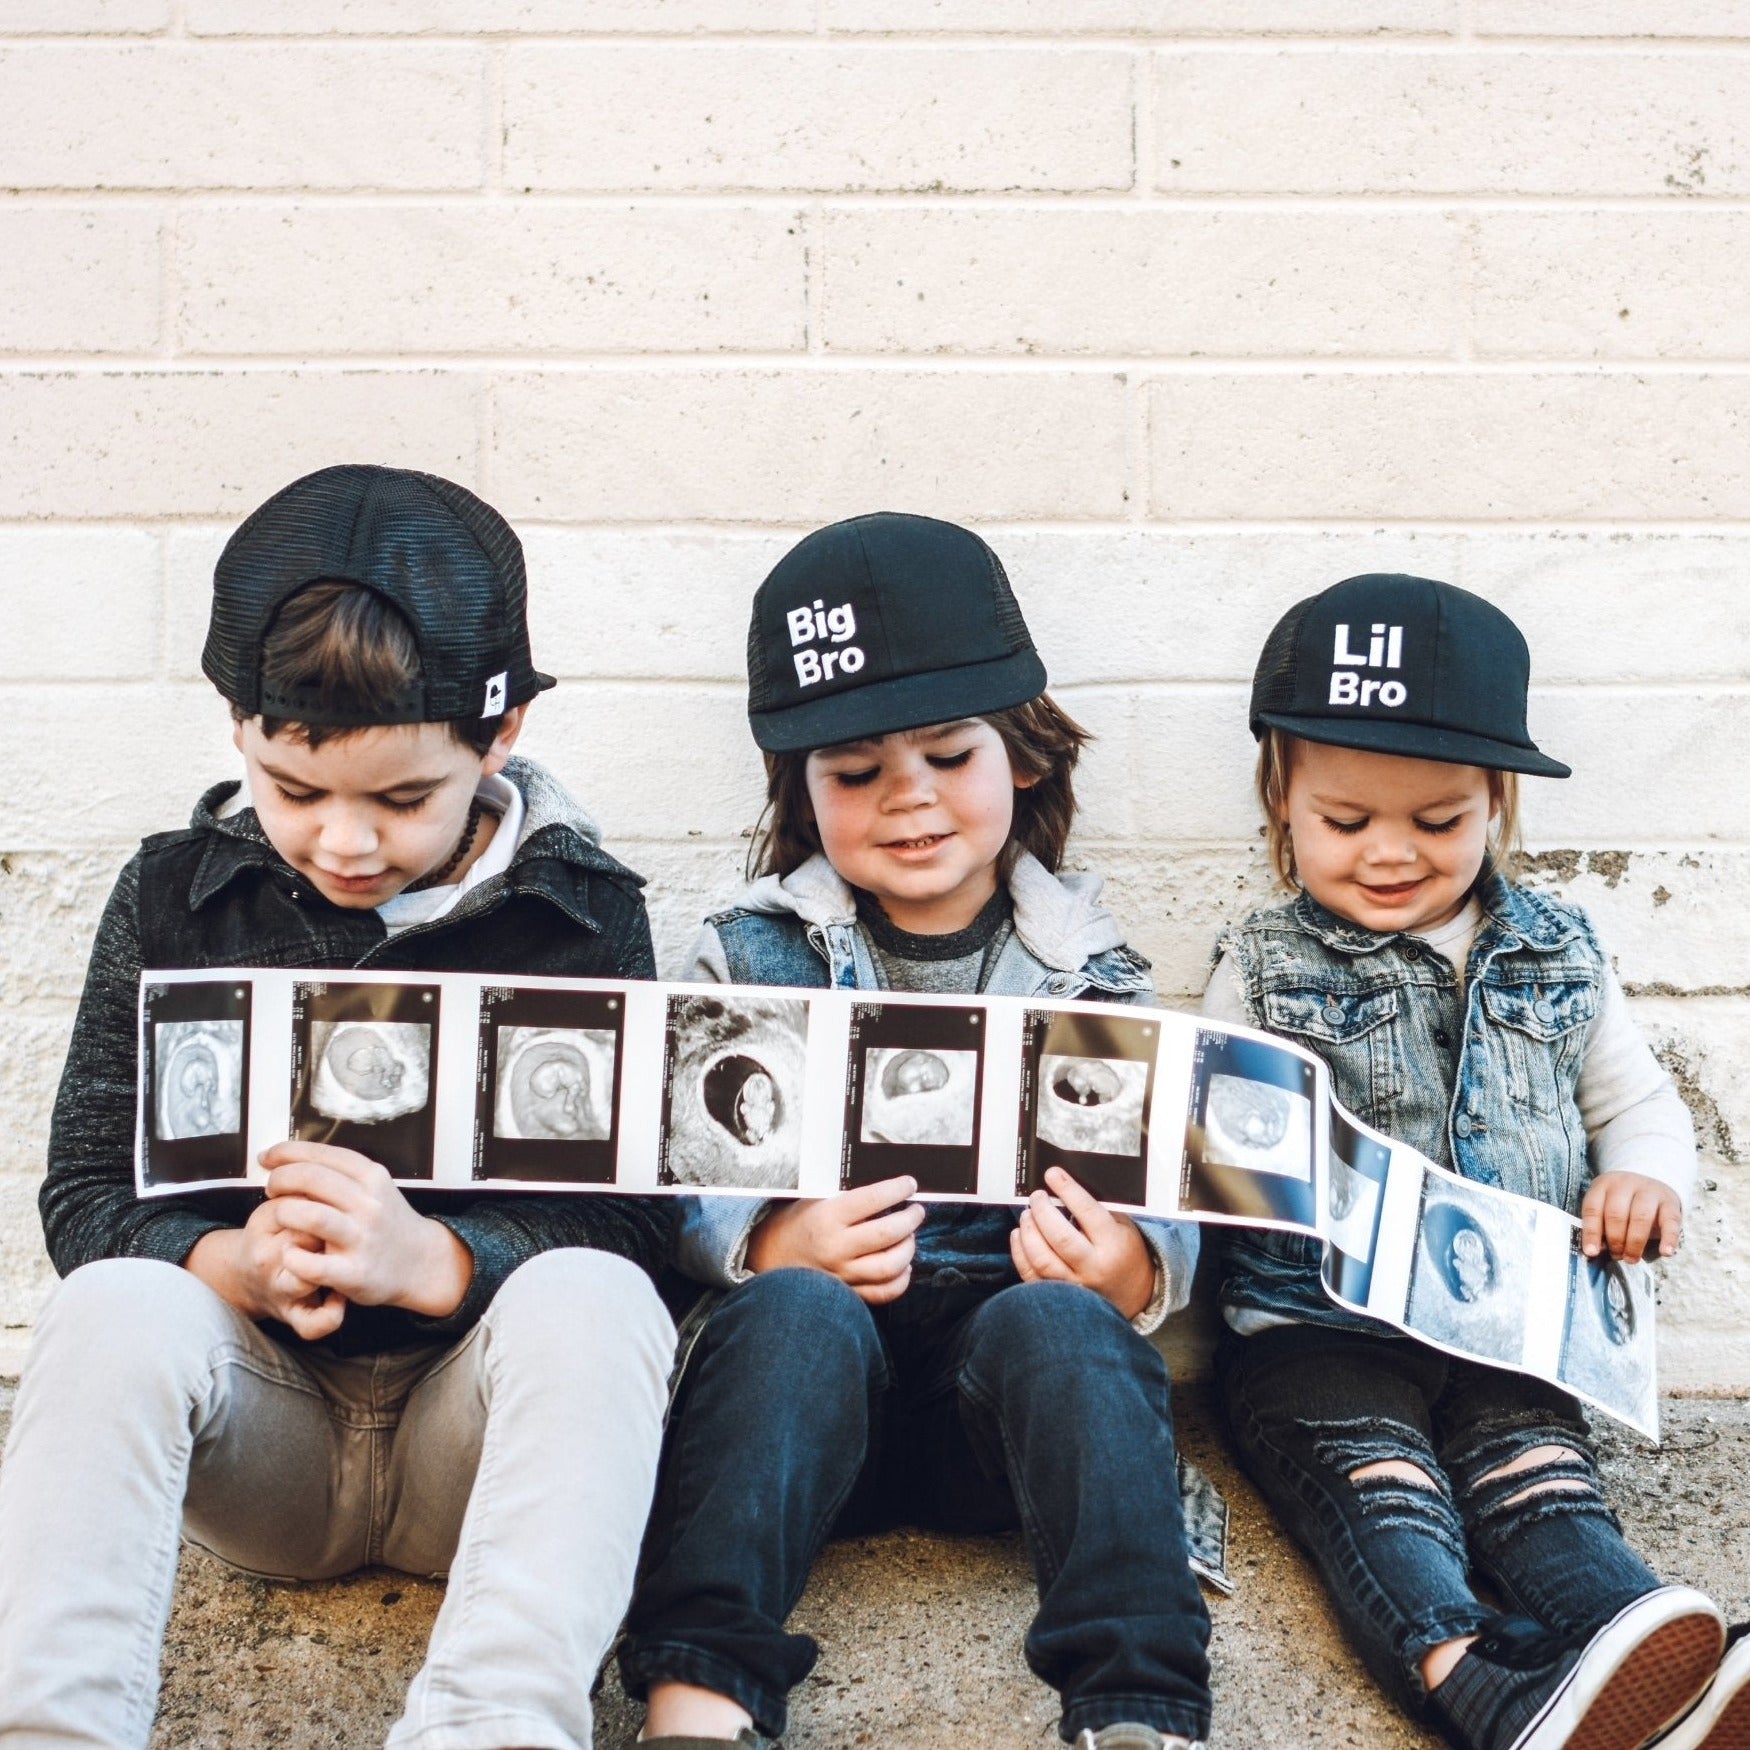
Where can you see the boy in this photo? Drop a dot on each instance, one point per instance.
(337, 1373)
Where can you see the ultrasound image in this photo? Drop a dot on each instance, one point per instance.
(199, 1089)
(1607, 1347)
(1258, 1126)
(554, 1084)
(1471, 1269)
(920, 1098)
(1093, 1105)
(733, 1094)
(369, 1072)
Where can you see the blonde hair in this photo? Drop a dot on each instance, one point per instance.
(1276, 766)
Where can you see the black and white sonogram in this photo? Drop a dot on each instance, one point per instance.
(732, 1091)
(1354, 1194)
(195, 1076)
(1249, 1134)
(1086, 1082)
(912, 1092)
(199, 1089)
(1471, 1270)
(548, 1085)
(363, 1061)
(1607, 1342)
(553, 1084)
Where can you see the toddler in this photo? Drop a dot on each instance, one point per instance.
(1482, 1024)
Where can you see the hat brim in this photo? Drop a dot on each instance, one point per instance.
(943, 695)
(1419, 741)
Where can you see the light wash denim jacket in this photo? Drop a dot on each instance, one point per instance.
(802, 930)
(1480, 1079)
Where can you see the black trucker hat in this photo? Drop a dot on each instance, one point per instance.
(447, 560)
(883, 623)
(1401, 665)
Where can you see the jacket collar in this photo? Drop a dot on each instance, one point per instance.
(1058, 918)
(1511, 916)
(559, 848)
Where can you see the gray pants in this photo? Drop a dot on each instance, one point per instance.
(520, 1460)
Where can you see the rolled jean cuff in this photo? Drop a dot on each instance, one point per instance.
(1172, 1719)
(1451, 1625)
(676, 1662)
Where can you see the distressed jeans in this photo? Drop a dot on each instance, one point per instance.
(520, 1460)
(805, 1413)
(1307, 1405)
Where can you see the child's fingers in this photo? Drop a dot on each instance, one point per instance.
(346, 1161)
(1090, 1213)
(314, 1319)
(1643, 1216)
(316, 1181)
(880, 1293)
(301, 1215)
(1023, 1264)
(1058, 1231)
(868, 1200)
(877, 1267)
(880, 1232)
(1046, 1263)
(1670, 1226)
(1592, 1222)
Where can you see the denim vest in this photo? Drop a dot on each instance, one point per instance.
(777, 948)
(1481, 1079)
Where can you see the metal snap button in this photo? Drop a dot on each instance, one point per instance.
(1544, 1009)
(1462, 1124)
(1333, 1011)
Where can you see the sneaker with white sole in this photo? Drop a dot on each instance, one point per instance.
(1634, 1677)
(1721, 1719)
(1127, 1735)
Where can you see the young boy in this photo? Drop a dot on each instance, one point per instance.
(339, 1373)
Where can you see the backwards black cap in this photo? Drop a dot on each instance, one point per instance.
(448, 561)
(1401, 665)
(879, 624)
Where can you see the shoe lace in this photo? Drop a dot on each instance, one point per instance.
(1517, 1643)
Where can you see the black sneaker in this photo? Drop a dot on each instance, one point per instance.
(1615, 1690)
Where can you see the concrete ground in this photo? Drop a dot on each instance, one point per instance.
(922, 1634)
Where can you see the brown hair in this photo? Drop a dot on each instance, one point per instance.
(1276, 765)
(354, 651)
(1043, 743)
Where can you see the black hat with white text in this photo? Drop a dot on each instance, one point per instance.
(879, 624)
(1401, 665)
(445, 558)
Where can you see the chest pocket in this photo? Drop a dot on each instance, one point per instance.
(1355, 1033)
(1543, 1028)
(1328, 1018)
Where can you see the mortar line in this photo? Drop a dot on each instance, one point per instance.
(800, 364)
(707, 197)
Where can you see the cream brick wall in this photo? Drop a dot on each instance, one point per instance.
(1192, 305)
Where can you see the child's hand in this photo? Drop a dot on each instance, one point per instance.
(1098, 1249)
(247, 1266)
(1621, 1212)
(369, 1243)
(857, 1236)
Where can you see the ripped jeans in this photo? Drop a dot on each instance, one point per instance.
(1308, 1405)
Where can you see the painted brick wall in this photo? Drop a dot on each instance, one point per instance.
(1192, 305)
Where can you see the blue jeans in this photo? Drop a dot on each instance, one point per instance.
(1306, 1405)
(805, 1413)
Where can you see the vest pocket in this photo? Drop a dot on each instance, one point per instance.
(1544, 1012)
(1328, 1017)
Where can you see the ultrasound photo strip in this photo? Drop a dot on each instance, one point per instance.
(460, 1083)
